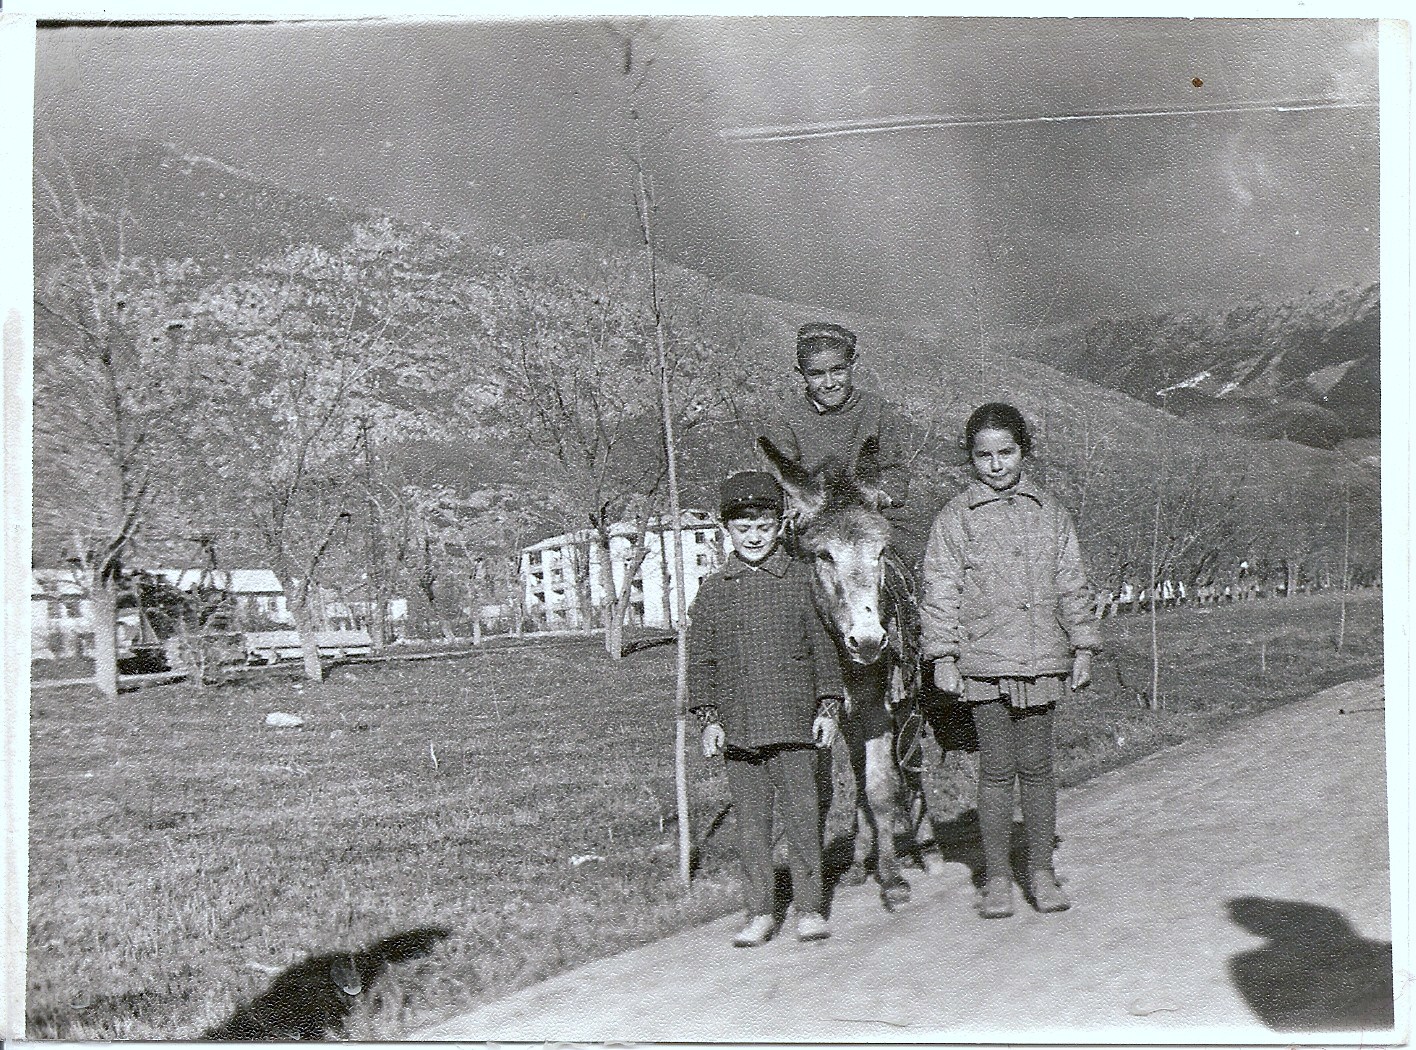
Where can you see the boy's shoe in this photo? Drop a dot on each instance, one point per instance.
(855, 875)
(1046, 894)
(812, 927)
(755, 934)
(997, 900)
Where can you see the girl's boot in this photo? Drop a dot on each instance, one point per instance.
(1047, 895)
(997, 900)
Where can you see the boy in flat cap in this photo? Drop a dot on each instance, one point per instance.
(765, 685)
(834, 418)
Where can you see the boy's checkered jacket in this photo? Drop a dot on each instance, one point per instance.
(759, 658)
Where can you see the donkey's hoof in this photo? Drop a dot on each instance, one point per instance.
(894, 889)
(933, 864)
(854, 875)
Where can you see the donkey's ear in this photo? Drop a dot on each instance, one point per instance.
(867, 472)
(789, 472)
(804, 488)
(867, 464)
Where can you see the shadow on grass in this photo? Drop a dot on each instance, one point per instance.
(699, 849)
(312, 999)
(1315, 973)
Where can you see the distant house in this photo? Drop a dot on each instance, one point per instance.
(61, 616)
(561, 575)
(256, 594)
(347, 615)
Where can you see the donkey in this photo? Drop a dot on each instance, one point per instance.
(866, 596)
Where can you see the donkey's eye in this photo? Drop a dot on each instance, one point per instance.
(825, 556)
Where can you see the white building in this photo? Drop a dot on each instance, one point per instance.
(254, 592)
(61, 616)
(554, 570)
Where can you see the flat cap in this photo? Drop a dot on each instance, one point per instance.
(750, 490)
(821, 334)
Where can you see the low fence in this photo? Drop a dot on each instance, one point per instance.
(1135, 601)
(276, 651)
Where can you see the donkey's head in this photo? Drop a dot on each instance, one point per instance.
(841, 531)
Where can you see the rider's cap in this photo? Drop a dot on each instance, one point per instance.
(823, 335)
(750, 490)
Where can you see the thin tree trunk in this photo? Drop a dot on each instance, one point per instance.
(680, 621)
(611, 616)
(1346, 548)
(1154, 631)
(305, 627)
(104, 600)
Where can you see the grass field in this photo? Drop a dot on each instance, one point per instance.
(442, 833)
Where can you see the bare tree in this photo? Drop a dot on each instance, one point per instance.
(292, 362)
(104, 397)
(575, 375)
(1346, 552)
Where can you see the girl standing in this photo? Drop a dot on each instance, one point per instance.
(1007, 614)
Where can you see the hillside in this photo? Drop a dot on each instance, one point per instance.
(1103, 441)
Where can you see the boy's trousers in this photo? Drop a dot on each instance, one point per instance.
(788, 772)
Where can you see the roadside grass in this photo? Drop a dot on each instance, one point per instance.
(185, 860)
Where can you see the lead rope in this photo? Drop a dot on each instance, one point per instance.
(904, 631)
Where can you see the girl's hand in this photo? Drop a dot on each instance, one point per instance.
(823, 731)
(946, 678)
(713, 739)
(1081, 669)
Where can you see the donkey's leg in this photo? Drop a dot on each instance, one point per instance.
(909, 717)
(865, 833)
(921, 826)
(882, 794)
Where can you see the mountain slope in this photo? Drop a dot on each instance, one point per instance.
(1307, 371)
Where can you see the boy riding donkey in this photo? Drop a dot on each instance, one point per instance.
(828, 427)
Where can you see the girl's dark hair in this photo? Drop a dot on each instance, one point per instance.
(998, 416)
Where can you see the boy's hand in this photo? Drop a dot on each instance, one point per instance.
(946, 678)
(713, 739)
(1081, 669)
(824, 730)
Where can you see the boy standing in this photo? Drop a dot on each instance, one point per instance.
(766, 686)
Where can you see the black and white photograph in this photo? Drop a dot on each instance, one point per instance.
(707, 529)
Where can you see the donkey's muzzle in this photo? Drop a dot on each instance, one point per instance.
(865, 651)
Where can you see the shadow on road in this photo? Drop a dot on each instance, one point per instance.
(312, 999)
(1315, 973)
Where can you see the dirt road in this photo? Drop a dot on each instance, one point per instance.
(1226, 890)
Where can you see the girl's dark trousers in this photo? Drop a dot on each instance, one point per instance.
(1015, 743)
(786, 772)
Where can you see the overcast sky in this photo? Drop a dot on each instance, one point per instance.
(517, 132)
